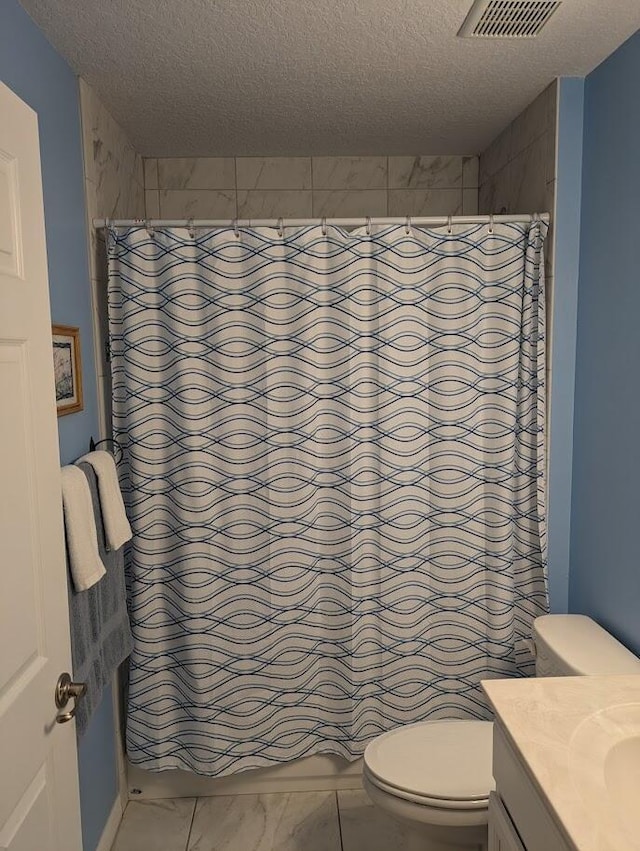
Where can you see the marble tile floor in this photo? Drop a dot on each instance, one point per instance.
(301, 821)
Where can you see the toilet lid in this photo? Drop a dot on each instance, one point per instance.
(448, 760)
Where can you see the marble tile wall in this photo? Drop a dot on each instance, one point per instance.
(518, 175)
(518, 169)
(114, 188)
(304, 187)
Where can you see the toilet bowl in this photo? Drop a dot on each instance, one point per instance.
(437, 775)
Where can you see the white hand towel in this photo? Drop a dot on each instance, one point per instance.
(116, 526)
(82, 539)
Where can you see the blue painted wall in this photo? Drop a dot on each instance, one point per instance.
(605, 559)
(98, 772)
(36, 73)
(563, 329)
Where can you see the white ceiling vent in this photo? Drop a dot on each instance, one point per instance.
(507, 18)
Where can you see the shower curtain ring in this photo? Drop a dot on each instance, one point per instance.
(323, 226)
(191, 230)
(149, 227)
(236, 230)
(449, 224)
(491, 223)
(280, 228)
(368, 226)
(407, 225)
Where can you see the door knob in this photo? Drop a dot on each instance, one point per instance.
(67, 690)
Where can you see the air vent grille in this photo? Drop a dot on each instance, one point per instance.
(507, 18)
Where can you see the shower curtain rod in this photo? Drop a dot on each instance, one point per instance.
(432, 221)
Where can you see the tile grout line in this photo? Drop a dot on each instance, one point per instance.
(339, 822)
(235, 186)
(193, 818)
(387, 192)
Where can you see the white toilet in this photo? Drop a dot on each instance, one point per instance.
(437, 775)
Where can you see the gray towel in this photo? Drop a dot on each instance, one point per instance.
(100, 630)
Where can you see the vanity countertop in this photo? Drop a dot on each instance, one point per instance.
(579, 739)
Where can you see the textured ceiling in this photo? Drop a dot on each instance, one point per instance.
(323, 77)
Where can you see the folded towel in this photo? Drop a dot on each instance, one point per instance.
(82, 539)
(116, 526)
(100, 630)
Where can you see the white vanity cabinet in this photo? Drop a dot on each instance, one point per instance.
(519, 819)
(557, 789)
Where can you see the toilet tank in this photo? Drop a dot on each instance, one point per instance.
(570, 645)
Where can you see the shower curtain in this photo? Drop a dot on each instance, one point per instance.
(333, 462)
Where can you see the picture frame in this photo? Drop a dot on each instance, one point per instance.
(67, 369)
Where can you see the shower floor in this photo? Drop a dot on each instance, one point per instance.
(289, 821)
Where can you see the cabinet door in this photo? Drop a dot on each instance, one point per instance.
(502, 833)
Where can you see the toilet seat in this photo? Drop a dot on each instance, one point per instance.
(426, 800)
(446, 764)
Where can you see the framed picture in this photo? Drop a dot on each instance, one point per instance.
(67, 369)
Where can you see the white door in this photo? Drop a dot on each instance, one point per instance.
(39, 809)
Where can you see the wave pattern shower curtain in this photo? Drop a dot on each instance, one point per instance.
(333, 457)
